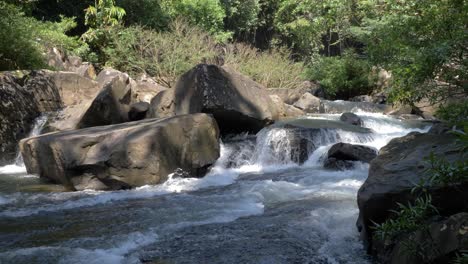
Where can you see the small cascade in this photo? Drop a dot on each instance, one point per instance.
(39, 124)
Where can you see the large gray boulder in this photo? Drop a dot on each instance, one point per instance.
(397, 169)
(146, 88)
(237, 103)
(308, 103)
(111, 105)
(124, 155)
(339, 106)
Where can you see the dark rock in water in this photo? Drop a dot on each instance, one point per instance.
(393, 174)
(24, 95)
(435, 242)
(111, 105)
(237, 103)
(138, 111)
(345, 151)
(308, 103)
(124, 155)
(351, 119)
(341, 155)
(336, 164)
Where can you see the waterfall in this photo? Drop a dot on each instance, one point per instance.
(39, 124)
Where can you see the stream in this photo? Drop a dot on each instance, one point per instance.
(255, 206)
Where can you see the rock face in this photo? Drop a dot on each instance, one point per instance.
(24, 96)
(341, 155)
(146, 89)
(352, 119)
(111, 105)
(399, 166)
(124, 155)
(308, 103)
(237, 103)
(435, 244)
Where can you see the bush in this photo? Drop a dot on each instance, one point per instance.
(164, 55)
(23, 40)
(271, 68)
(342, 77)
(455, 113)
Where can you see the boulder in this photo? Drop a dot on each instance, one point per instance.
(308, 103)
(399, 109)
(146, 89)
(86, 70)
(352, 119)
(138, 111)
(162, 105)
(291, 95)
(237, 103)
(285, 110)
(341, 155)
(24, 95)
(111, 105)
(393, 174)
(435, 243)
(124, 155)
(362, 98)
(107, 75)
(73, 88)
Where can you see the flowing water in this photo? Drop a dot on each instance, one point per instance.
(256, 206)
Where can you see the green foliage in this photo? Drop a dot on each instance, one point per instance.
(461, 257)
(271, 68)
(455, 113)
(423, 44)
(102, 19)
(342, 77)
(207, 14)
(445, 173)
(407, 219)
(147, 13)
(23, 40)
(165, 55)
(242, 17)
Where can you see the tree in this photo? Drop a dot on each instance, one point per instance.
(101, 18)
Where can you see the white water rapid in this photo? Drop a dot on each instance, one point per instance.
(257, 205)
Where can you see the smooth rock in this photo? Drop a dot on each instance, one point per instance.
(308, 103)
(237, 103)
(124, 155)
(352, 119)
(110, 106)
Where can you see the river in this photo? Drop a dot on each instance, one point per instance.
(255, 206)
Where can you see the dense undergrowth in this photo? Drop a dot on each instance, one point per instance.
(279, 43)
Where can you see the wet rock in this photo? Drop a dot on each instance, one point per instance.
(362, 98)
(138, 111)
(308, 103)
(394, 173)
(237, 103)
(24, 95)
(397, 110)
(124, 155)
(409, 117)
(352, 119)
(111, 105)
(341, 155)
